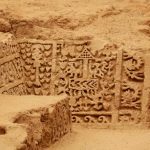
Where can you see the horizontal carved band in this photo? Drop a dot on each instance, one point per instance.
(9, 58)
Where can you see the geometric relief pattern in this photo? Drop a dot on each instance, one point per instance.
(37, 59)
(104, 85)
(88, 78)
(132, 86)
(11, 69)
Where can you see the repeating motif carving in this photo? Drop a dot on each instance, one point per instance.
(17, 90)
(133, 66)
(11, 69)
(131, 95)
(132, 86)
(103, 119)
(37, 64)
(88, 78)
(103, 85)
(8, 48)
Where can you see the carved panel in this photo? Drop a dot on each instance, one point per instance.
(105, 85)
(88, 78)
(132, 87)
(11, 69)
(38, 66)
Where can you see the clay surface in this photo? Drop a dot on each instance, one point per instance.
(106, 86)
(100, 139)
(11, 67)
(97, 52)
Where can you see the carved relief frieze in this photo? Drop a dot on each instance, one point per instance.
(132, 86)
(37, 65)
(129, 117)
(131, 95)
(104, 85)
(133, 66)
(88, 78)
(16, 90)
(11, 69)
(98, 119)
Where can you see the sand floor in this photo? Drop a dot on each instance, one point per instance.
(103, 139)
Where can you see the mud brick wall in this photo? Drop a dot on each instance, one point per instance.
(37, 121)
(46, 125)
(106, 85)
(11, 68)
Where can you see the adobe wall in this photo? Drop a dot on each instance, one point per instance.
(106, 84)
(33, 122)
(11, 68)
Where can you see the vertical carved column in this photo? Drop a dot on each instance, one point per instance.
(37, 57)
(118, 77)
(146, 89)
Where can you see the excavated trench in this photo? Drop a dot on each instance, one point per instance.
(95, 82)
(84, 50)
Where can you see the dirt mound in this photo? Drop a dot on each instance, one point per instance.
(111, 21)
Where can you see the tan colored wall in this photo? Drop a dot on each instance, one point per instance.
(33, 122)
(11, 68)
(105, 84)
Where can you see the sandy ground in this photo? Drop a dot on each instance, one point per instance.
(103, 139)
(124, 22)
(11, 105)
